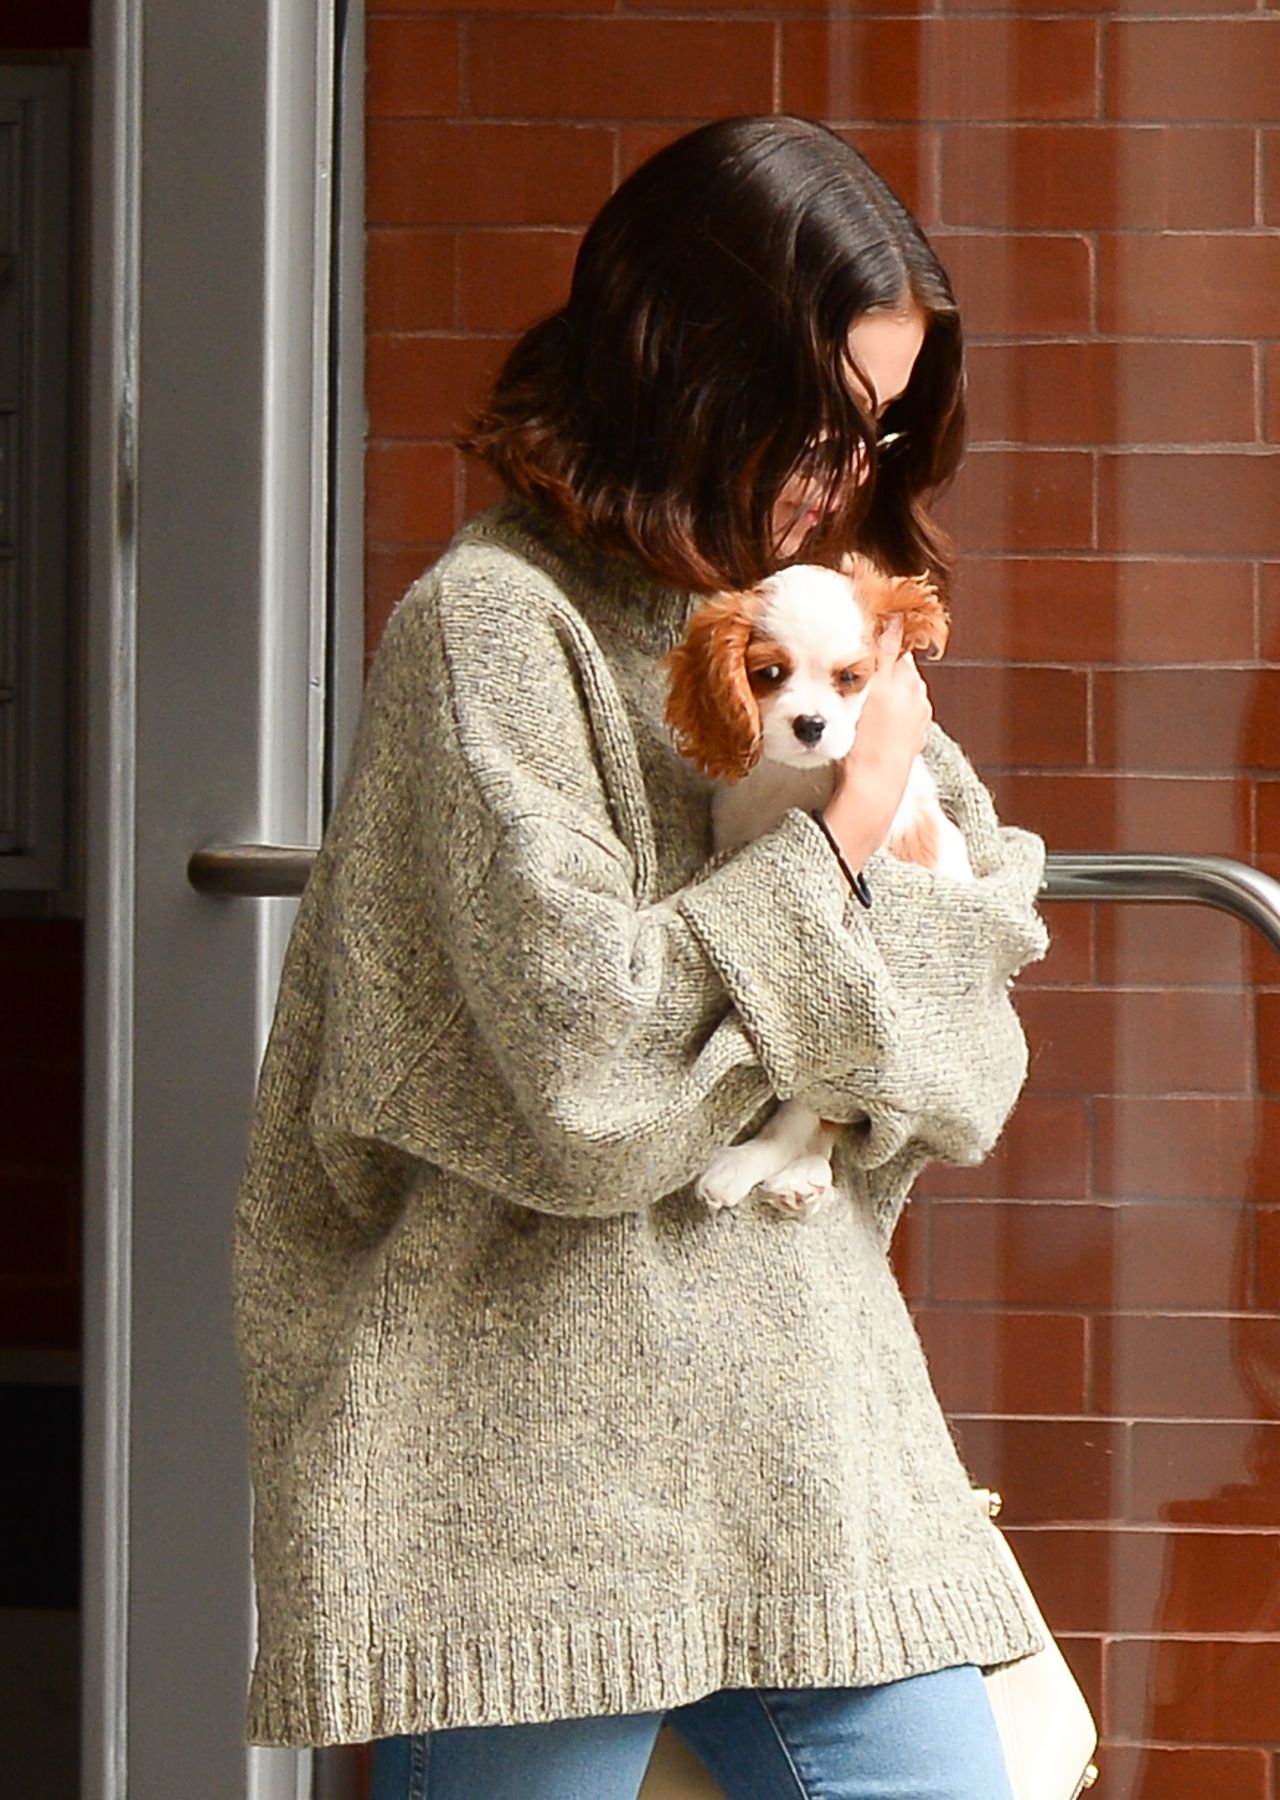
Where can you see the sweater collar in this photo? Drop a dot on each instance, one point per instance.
(604, 585)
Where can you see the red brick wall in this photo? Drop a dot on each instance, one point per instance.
(1101, 1302)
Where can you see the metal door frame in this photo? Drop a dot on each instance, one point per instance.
(225, 502)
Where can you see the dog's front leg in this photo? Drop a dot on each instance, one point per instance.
(801, 1187)
(789, 1144)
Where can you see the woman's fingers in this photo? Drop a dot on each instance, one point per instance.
(890, 646)
(897, 711)
(904, 676)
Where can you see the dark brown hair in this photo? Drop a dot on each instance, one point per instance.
(701, 361)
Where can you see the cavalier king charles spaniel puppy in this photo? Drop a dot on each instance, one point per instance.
(765, 692)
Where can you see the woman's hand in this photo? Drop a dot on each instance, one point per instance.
(891, 733)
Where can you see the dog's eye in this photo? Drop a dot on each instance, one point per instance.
(772, 672)
(849, 678)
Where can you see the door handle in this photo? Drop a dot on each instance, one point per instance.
(257, 871)
(266, 871)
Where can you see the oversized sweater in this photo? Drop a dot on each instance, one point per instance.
(536, 1434)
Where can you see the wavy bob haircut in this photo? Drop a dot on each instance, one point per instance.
(701, 362)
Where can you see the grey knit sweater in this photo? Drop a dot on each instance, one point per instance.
(535, 1434)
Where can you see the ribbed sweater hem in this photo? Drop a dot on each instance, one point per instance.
(312, 1692)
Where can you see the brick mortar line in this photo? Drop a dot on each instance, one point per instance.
(1003, 340)
(817, 14)
(1183, 1637)
(1102, 666)
(1024, 1309)
(1110, 1094)
(464, 64)
(455, 251)
(1259, 178)
(1087, 229)
(1100, 68)
(978, 340)
(944, 122)
(961, 228)
(1121, 556)
(1062, 1309)
(955, 228)
(1212, 448)
(1112, 1418)
(1130, 988)
(1148, 1528)
(1258, 371)
(1075, 772)
(1259, 449)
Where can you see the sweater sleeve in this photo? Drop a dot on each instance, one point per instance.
(947, 1057)
(629, 1039)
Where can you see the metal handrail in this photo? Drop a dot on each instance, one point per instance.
(265, 871)
(1233, 887)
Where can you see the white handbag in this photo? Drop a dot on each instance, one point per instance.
(1045, 1725)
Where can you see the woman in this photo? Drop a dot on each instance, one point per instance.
(545, 1450)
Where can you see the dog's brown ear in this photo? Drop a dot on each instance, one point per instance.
(710, 706)
(926, 624)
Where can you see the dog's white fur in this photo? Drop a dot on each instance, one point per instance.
(826, 624)
(816, 613)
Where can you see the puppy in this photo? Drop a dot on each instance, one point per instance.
(765, 690)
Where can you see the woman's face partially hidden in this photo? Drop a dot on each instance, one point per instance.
(886, 346)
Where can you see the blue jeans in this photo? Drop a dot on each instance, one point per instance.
(928, 1737)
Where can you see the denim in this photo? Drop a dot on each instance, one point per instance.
(928, 1737)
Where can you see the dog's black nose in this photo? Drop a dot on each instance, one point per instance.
(808, 727)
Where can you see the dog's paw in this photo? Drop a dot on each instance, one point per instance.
(731, 1174)
(801, 1187)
